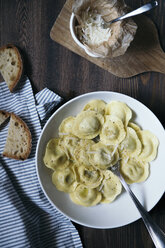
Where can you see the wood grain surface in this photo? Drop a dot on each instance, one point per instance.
(48, 64)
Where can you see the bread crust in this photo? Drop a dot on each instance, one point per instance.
(4, 115)
(20, 63)
(18, 120)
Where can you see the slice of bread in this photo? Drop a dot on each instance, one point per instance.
(11, 65)
(18, 142)
(3, 116)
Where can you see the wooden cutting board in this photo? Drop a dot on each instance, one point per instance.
(144, 54)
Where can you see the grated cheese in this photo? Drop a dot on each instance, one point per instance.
(91, 31)
(114, 150)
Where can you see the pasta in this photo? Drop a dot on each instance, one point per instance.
(89, 176)
(81, 152)
(113, 131)
(65, 179)
(96, 105)
(54, 155)
(92, 142)
(149, 145)
(87, 124)
(134, 170)
(85, 196)
(131, 144)
(111, 187)
(102, 156)
(66, 126)
(68, 145)
(119, 109)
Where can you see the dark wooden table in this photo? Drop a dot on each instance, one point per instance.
(27, 23)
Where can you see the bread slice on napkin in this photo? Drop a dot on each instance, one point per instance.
(18, 142)
(3, 116)
(11, 65)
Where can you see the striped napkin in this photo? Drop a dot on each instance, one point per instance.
(27, 219)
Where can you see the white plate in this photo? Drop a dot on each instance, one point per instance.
(122, 211)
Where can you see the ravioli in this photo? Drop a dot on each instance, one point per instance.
(65, 179)
(68, 144)
(134, 170)
(110, 188)
(89, 176)
(54, 154)
(85, 196)
(149, 145)
(119, 109)
(81, 152)
(87, 124)
(66, 125)
(93, 141)
(96, 105)
(134, 126)
(131, 144)
(102, 156)
(113, 131)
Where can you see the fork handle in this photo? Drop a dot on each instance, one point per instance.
(157, 235)
(138, 11)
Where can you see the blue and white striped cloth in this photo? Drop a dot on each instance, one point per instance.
(27, 219)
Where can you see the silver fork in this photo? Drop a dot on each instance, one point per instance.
(157, 235)
(138, 11)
